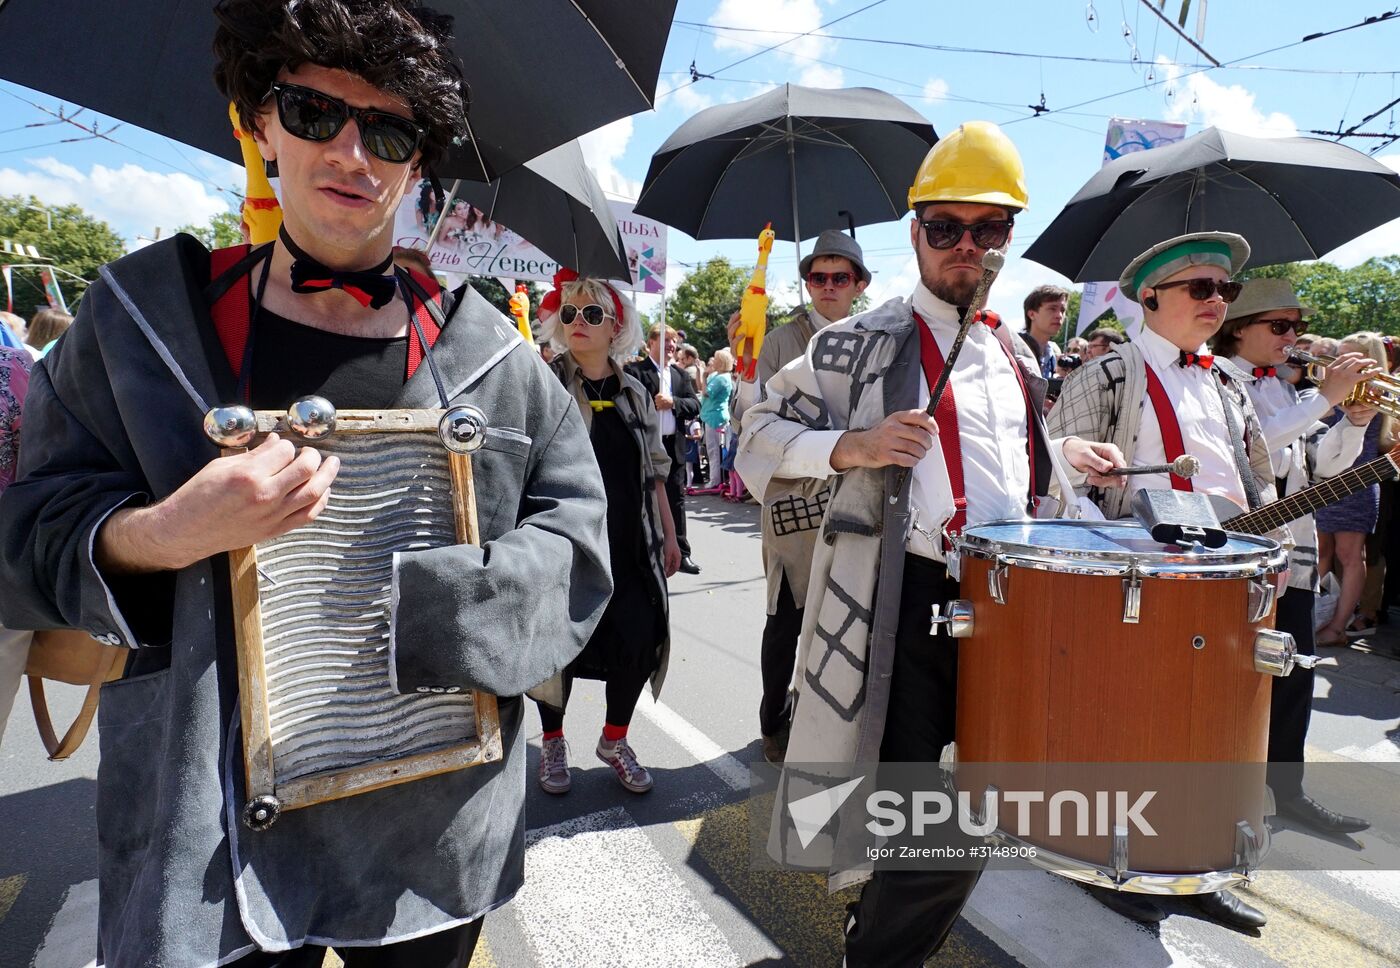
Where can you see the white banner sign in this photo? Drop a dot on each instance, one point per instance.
(469, 244)
(1124, 138)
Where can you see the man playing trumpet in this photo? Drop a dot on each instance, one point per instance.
(1261, 328)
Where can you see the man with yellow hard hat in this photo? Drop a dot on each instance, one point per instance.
(849, 414)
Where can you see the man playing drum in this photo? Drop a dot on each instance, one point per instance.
(123, 512)
(1164, 388)
(848, 413)
(1260, 330)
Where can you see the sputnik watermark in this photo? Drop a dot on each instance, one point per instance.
(934, 808)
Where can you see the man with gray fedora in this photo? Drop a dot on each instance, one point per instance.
(1258, 336)
(834, 274)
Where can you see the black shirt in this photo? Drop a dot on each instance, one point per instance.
(292, 360)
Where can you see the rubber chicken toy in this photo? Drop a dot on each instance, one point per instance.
(753, 309)
(261, 212)
(520, 311)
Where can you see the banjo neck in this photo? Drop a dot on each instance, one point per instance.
(1294, 506)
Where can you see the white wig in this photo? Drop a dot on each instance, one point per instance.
(628, 338)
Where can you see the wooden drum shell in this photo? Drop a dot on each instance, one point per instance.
(1056, 676)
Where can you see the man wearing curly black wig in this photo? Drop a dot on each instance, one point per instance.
(124, 510)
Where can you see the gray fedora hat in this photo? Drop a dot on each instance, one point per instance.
(836, 243)
(1262, 295)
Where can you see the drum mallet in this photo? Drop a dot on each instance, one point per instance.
(1183, 466)
(992, 261)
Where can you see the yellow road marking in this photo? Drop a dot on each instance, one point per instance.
(796, 910)
(1309, 926)
(9, 892)
(481, 958)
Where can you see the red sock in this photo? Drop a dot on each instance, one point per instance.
(554, 734)
(613, 733)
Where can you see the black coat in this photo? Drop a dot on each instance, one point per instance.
(685, 401)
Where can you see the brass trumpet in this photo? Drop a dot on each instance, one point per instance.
(1380, 391)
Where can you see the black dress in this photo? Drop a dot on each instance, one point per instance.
(628, 638)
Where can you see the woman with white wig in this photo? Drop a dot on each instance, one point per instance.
(592, 326)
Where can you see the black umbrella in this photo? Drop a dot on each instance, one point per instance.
(805, 159)
(1292, 198)
(541, 71)
(556, 203)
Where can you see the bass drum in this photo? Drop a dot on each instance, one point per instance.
(1092, 644)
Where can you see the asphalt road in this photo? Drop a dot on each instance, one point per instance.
(665, 879)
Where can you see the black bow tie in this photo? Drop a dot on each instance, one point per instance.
(371, 287)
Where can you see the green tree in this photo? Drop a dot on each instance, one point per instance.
(66, 236)
(704, 301)
(496, 294)
(221, 232)
(1362, 297)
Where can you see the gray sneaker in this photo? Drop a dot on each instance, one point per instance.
(620, 757)
(554, 766)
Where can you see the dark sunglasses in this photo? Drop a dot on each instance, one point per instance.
(943, 233)
(1202, 289)
(1280, 326)
(312, 116)
(838, 279)
(593, 314)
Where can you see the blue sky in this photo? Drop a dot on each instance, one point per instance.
(143, 181)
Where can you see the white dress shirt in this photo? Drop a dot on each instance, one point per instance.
(1201, 417)
(1283, 418)
(991, 429)
(668, 417)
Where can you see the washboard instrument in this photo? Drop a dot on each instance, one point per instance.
(321, 718)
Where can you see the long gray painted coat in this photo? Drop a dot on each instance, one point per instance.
(182, 883)
(851, 376)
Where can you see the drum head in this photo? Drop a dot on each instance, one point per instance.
(1115, 548)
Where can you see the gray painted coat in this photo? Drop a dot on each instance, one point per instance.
(112, 421)
(851, 375)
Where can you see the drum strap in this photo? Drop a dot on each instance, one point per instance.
(1166, 422)
(946, 416)
(231, 304)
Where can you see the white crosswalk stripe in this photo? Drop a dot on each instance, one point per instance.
(598, 893)
(71, 941)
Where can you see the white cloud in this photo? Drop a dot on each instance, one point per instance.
(602, 149)
(1384, 240)
(1197, 97)
(936, 89)
(819, 75)
(684, 95)
(783, 17)
(1015, 283)
(133, 200)
(792, 23)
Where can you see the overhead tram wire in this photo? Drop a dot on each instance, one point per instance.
(805, 33)
(1032, 55)
(59, 117)
(1202, 70)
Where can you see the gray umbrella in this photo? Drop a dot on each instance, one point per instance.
(1292, 198)
(556, 203)
(539, 71)
(798, 157)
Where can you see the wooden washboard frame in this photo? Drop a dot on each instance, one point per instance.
(268, 794)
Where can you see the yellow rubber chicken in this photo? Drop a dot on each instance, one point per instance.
(261, 212)
(753, 309)
(520, 309)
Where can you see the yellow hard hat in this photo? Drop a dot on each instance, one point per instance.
(976, 163)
